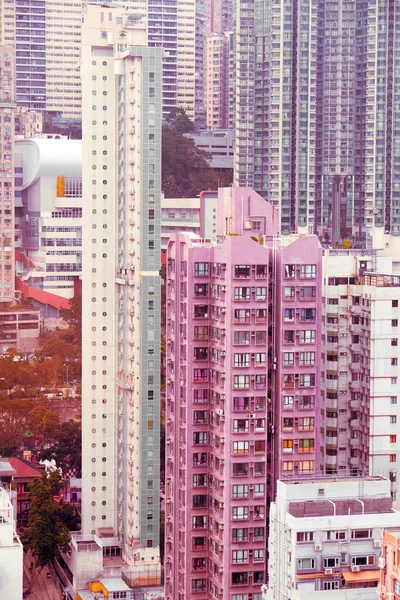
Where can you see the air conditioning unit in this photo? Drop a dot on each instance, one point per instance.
(381, 562)
(329, 571)
(377, 543)
(317, 547)
(355, 569)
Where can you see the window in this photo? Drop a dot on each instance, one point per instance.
(287, 424)
(242, 360)
(259, 490)
(240, 447)
(392, 458)
(331, 562)
(240, 535)
(200, 437)
(393, 362)
(199, 480)
(287, 446)
(288, 315)
(200, 332)
(306, 423)
(361, 534)
(393, 439)
(307, 315)
(393, 400)
(200, 289)
(200, 375)
(363, 561)
(288, 336)
(261, 338)
(242, 293)
(200, 416)
(201, 311)
(287, 466)
(201, 268)
(307, 380)
(394, 341)
(290, 271)
(200, 396)
(258, 533)
(288, 292)
(288, 402)
(261, 358)
(395, 322)
(199, 585)
(288, 359)
(308, 292)
(393, 419)
(199, 522)
(305, 536)
(259, 447)
(288, 381)
(199, 543)
(395, 303)
(241, 381)
(305, 563)
(307, 358)
(307, 336)
(200, 353)
(240, 403)
(240, 513)
(241, 338)
(258, 556)
(240, 556)
(259, 511)
(259, 403)
(261, 293)
(240, 469)
(240, 425)
(306, 466)
(335, 535)
(198, 564)
(241, 315)
(242, 271)
(240, 578)
(306, 445)
(240, 491)
(260, 382)
(308, 271)
(261, 315)
(330, 585)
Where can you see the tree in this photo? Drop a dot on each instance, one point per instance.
(47, 535)
(73, 316)
(13, 424)
(185, 170)
(178, 121)
(43, 423)
(66, 448)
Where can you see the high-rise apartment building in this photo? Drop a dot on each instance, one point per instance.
(316, 103)
(243, 324)
(46, 37)
(7, 183)
(360, 367)
(121, 83)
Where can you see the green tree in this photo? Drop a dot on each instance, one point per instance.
(47, 535)
(13, 424)
(66, 448)
(178, 121)
(73, 316)
(43, 423)
(185, 170)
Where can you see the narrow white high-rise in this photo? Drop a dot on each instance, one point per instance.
(121, 88)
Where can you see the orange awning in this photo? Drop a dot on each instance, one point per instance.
(361, 576)
(315, 575)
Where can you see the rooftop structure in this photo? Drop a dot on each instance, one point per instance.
(326, 538)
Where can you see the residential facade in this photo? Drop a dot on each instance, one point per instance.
(11, 550)
(360, 365)
(122, 80)
(7, 183)
(325, 538)
(317, 137)
(229, 375)
(389, 581)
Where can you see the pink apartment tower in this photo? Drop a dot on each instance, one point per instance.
(243, 385)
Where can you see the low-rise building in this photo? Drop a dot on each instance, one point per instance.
(325, 538)
(11, 551)
(19, 328)
(389, 582)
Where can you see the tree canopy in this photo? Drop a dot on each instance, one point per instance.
(47, 534)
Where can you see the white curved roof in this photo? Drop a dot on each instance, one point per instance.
(49, 157)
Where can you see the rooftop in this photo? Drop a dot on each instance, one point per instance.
(352, 506)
